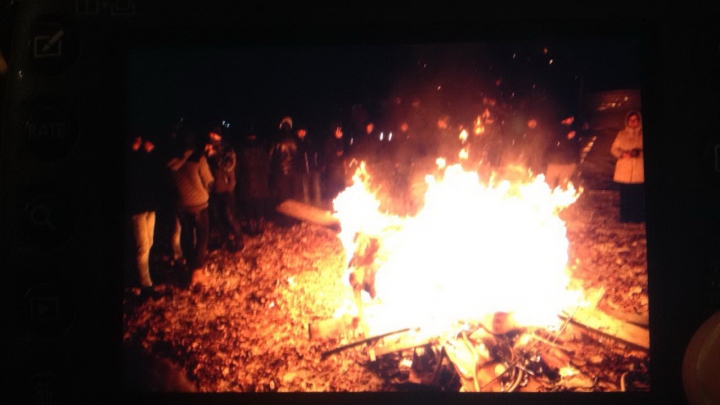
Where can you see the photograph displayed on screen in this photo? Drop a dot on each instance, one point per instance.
(456, 217)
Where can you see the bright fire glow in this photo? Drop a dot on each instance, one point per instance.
(474, 249)
(463, 135)
(479, 129)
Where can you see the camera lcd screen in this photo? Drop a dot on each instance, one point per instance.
(386, 217)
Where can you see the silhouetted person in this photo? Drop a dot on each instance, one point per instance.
(192, 181)
(563, 154)
(307, 169)
(334, 164)
(143, 185)
(253, 189)
(222, 160)
(282, 162)
(533, 143)
(365, 147)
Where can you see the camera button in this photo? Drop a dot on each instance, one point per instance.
(53, 46)
(50, 133)
(42, 388)
(46, 222)
(48, 314)
(51, 384)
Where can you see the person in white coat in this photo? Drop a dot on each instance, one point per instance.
(629, 169)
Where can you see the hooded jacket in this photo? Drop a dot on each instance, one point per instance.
(629, 170)
(282, 157)
(222, 165)
(192, 180)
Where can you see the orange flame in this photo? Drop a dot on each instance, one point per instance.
(474, 249)
(441, 163)
(463, 135)
(478, 126)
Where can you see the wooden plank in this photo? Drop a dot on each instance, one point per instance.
(404, 342)
(308, 213)
(359, 342)
(607, 325)
(637, 319)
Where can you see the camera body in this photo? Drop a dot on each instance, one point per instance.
(65, 106)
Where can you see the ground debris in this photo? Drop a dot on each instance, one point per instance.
(246, 327)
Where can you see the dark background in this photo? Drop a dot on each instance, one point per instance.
(317, 83)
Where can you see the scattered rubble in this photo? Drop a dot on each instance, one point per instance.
(245, 326)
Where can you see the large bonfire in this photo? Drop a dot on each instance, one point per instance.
(474, 249)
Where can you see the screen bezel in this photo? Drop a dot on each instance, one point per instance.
(670, 228)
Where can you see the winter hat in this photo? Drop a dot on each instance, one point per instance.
(217, 129)
(286, 120)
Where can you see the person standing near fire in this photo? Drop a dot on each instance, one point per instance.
(142, 182)
(563, 154)
(490, 140)
(365, 147)
(629, 170)
(253, 190)
(534, 141)
(192, 182)
(334, 164)
(307, 169)
(447, 140)
(222, 160)
(404, 156)
(282, 162)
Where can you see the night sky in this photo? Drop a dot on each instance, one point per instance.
(318, 84)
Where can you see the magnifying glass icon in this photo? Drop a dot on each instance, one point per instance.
(40, 216)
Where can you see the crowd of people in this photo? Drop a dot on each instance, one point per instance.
(210, 192)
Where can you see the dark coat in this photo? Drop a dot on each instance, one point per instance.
(282, 157)
(222, 165)
(334, 155)
(365, 146)
(307, 158)
(254, 170)
(192, 180)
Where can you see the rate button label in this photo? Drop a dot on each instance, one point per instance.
(50, 133)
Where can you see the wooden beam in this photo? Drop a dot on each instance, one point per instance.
(404, 342)
(637, 319)
(360, 342)
(607, 325)
(308, 213)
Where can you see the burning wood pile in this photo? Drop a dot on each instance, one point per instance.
(504, 287)
(505, 357)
